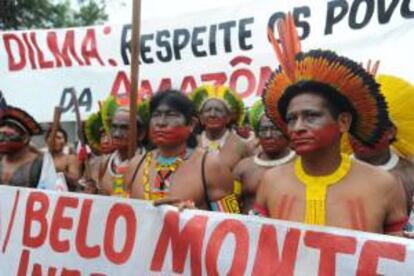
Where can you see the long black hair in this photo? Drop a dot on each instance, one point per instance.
(179, 102)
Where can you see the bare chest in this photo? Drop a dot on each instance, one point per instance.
(345, 207)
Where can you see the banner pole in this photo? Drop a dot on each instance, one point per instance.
(135, 42)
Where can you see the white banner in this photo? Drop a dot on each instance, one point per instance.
(38, 67)
(49, 233)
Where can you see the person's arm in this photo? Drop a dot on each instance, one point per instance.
(238, 173)
(260, 204)
(73, 171)
(220, 185)
(131, 174)
(396, 216)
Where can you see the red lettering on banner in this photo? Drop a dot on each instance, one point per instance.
(217, 78)
(329, 245)
(373, 250)
(122, 86)
(70, 272)
(240, 255)
(53, 46)
(242, 73)
(44, 64)
(83, 249)
(23, 263)
(37, 270)
(60, 222)
(265, 73)
(30, 50)
(39, 216)
(188, 84)
(89, 47)
(267, 260)
(14, 65)
(121, 79)
(189, 238)
(69, 46)
(117, 211)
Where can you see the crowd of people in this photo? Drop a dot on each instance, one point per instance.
(329, 143)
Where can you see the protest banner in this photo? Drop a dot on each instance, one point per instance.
(50, 233)
(39, 68)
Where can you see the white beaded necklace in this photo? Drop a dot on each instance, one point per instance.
(391, 163)
(273, 163)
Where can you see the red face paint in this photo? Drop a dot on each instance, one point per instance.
(306, 141)
(11, 146)
(365, 152)
(169, 136)
(273, 145)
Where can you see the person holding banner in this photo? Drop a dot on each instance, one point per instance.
(399, 134)
(177, 171)
(315, 97)
(218, 107)
(20, 165)
(274, 151)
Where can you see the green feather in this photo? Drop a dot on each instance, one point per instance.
(198, 96)
(255, 114)
(93, 126)
(109, 108)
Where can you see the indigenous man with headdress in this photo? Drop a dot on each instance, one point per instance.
(399, 135)
(274, 151)
(218, 107)
(21, 165)
(112, 167)
(177, 170)
(315, 97)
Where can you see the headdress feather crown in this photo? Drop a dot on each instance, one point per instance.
(337, 78)
(223, 93)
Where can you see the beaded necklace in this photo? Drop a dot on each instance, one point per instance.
(316, 188)
(165, 168)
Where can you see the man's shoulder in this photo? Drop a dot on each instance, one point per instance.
(375, 177)
(279, 174)
(246, 165)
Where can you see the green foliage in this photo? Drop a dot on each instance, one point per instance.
(34, 14)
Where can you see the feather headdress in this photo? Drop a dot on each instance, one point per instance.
(255, 114)
(223, 93)
(341, 80)
(399, 95)
(20, 118)
(111, 104)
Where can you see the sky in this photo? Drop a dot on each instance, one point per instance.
(120, 11)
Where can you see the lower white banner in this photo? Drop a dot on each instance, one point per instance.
(49, 233)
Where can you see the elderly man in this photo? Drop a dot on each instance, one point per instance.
(218, 107)
(112, 167)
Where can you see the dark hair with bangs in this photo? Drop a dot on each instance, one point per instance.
(181, 103)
